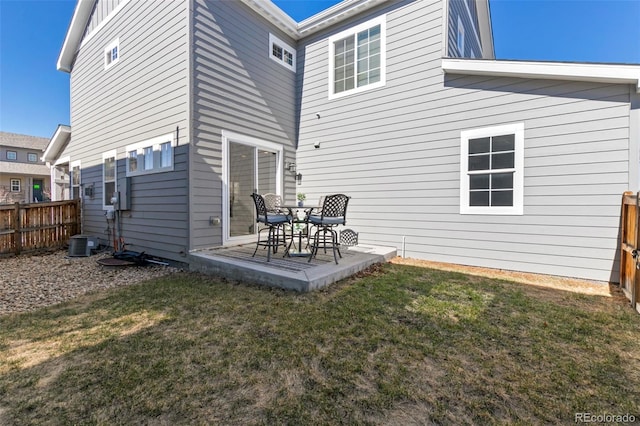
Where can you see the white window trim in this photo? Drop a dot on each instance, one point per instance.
(72, 165)
(460, 38)
(11, 181)
(275, 40)
(380, 20)
(107, 51)
(518, 177)
(227, 137)
(154, 143)
(106, 155)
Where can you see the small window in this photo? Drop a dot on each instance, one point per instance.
(491, 170)
(75, 180)
(108, 179)
(282, 53)
(15, 185)
(460, 38)
(32, 158)
(112, 53)
(12, 155)
(357, 58)
(152, 156)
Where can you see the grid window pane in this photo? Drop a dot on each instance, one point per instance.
(479, 146)
(277, 51)
(503, 161)
(502, 198)
(133, 161)
(479, 198)
(479, 162)
(109, 169)
(502, 181)
(148, 158)
(165, 154)
(109, 190)
(504, 143)
(479, 181)
(361, 64)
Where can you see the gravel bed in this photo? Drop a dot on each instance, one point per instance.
(31, 282)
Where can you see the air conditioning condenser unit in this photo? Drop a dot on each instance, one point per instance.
(81, 245)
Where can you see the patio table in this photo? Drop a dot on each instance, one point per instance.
(299, 227)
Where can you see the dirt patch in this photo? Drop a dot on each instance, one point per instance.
(574, 285)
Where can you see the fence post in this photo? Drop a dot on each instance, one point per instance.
(17, 234)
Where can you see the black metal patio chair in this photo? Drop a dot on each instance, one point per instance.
(273, 225)
(333, 213)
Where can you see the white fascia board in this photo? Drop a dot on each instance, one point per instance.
(56, 143)
(275, 15)
(330, 16)
(74, 34)
(334, 14)
(600, 73)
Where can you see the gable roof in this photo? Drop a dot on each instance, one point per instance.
(277, 16)
(16, 140)
(58, 142)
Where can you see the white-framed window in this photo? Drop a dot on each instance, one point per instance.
(12, 155)
(15, 185)
(151, 156)
(460, 38)
(32, 158)
(357, 58)
(492, 170)
(282, 53)
(112, 53)
(76, 181)
(109, 175)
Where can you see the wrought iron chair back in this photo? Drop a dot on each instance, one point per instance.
(273, 202)
(335, 206)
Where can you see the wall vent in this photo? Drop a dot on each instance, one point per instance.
(81, 245)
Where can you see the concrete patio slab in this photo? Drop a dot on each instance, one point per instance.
(293, 273)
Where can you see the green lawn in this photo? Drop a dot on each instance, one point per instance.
(395, 345)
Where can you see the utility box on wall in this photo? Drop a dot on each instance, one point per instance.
(124, 194)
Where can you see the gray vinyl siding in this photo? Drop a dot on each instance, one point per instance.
(396, 152)
(142, 96)
(101, 10)
(458, 8)
(237, 88)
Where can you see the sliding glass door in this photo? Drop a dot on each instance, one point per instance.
(252, 166)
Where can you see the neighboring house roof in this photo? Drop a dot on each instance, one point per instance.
(9, 167)
(58, 142)
(600, 73)
(16, 140)
(277, 16)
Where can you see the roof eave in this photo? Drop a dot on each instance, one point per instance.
(600, 73)
(57, 142)
(74, 35)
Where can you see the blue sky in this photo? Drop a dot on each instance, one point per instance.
(34, 96)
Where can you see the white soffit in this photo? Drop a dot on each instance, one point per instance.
(600, 73)
(74, 34)
(57, 143)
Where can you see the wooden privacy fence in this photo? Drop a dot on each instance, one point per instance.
(29, 227)
(629, 253)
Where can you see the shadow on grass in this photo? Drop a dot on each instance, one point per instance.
(393, 345)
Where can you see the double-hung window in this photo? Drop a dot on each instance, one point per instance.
(491, 170)
(75, 180)
(282, 53)
(109, 187)
(151, 156)
(357, 58)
